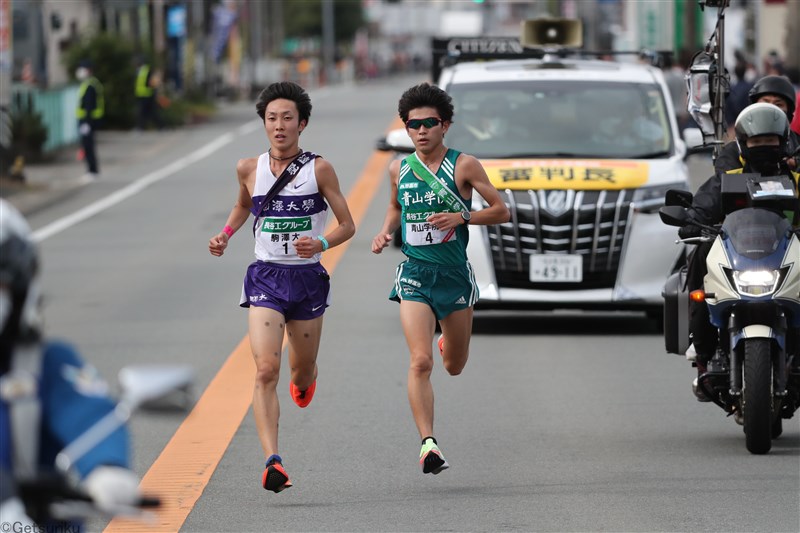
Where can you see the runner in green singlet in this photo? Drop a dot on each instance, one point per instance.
(431, 202)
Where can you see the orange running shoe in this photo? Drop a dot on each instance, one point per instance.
(440, 343)
(275, 477)
(302, 397)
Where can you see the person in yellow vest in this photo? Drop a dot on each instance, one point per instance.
(90, 110)
(145, 90)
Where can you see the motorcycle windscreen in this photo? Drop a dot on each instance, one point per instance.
(755, 233)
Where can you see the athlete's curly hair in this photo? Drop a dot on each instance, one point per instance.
(426, 95)
(286, 90)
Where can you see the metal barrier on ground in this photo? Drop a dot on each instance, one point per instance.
(56, 108)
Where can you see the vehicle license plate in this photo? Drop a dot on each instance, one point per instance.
(556, 268)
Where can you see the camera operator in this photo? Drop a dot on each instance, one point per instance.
(48, 396)
(762, 141)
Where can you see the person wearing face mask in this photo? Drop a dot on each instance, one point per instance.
(90, 110)
(762, 140)
(775, 90)
(48, 396)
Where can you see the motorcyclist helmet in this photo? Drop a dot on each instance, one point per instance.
(19, 287)
(779, 86)
(759, 120)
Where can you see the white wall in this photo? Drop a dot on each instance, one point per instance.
(76, 16)
(771, 28)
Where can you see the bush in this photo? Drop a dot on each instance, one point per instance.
(28, 134)
(190, 109)
(112, 59)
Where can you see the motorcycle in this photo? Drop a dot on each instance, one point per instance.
(752, 290)
(55, 497)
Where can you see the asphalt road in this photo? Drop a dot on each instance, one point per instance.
(560, 422)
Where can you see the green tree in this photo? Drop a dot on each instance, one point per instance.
(112, 59)
(304, 18)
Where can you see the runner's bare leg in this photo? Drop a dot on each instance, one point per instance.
(419, 325)
(266, 341)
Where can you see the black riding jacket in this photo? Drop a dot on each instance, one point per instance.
(728, 158)
(707, 202)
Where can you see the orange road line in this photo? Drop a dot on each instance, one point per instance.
(180, 474)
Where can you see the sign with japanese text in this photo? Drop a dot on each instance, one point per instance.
(566, 174)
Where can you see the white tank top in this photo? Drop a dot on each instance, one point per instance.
(299, 210)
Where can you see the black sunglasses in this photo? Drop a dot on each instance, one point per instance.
(429, 122)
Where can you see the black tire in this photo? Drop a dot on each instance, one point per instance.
(757, 395)
(777, 426)
(657, 317)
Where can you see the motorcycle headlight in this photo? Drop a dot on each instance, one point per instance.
(650, 199)
(756, 282)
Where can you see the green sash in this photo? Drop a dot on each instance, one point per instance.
(436, 184)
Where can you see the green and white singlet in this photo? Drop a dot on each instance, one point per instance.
(421, 239)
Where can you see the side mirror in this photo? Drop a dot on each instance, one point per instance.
(382, 145)
(673, 215)
(678, 197)
(695, 142)
(693, 138)
(397, 141)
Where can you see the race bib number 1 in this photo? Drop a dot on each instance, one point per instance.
(283, 232)
(425, 233)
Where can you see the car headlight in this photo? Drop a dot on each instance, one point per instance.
(756, 282)
(650, 199)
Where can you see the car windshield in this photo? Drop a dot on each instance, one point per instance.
(550, 118)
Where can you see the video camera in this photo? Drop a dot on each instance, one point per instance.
(754, 190)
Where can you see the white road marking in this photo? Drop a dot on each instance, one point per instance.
(142, 183)
(139, 185)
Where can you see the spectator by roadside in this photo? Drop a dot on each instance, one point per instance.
(146, 90)
(794, 76)
(90, 111)
(675, 77)
(739, 97)
(773, 64)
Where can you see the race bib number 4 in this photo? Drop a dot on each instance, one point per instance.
(425, 233)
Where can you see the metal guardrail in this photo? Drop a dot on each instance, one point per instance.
(56, 108)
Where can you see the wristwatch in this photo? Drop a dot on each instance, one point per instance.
(466, 216)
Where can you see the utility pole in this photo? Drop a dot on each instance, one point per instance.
(328, 40)
(6, 67)
(256, 44)
(792, 35)
(158, 27)
(277, 27)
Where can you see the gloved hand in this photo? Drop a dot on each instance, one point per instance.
(687, 232)
(85, 129)
(13, 512)
(112, 487)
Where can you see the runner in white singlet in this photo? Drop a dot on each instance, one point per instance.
(286, 289)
